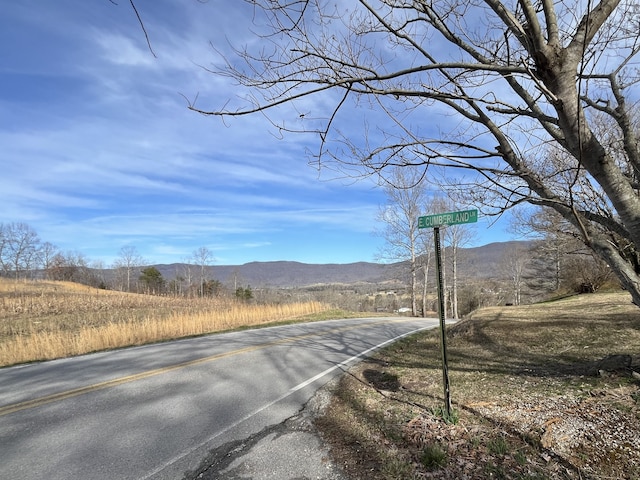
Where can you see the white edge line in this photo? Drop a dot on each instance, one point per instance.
(300, 386)
(346, 362)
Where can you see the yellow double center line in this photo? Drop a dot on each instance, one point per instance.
(37, 402)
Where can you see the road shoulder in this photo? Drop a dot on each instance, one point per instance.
(290, 450)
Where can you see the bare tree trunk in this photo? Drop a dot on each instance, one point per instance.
(454, 281)
(445, 292)
(425, 270)
(414, 281)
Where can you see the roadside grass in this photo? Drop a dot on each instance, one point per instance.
(529, 400)
(45, 320)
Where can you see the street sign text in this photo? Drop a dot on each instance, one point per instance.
(451, 218)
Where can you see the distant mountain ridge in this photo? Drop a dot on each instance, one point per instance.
(478, 262)
(291, 274)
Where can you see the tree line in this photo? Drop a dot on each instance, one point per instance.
(23, 255)
(555, 263)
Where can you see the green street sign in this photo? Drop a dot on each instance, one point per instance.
(451, 218)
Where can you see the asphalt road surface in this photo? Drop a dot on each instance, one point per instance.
(156, 411)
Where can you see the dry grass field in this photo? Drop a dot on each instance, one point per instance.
(44, 320)
(532, 398)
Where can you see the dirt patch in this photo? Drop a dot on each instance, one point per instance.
(381, 380)
(598, 435)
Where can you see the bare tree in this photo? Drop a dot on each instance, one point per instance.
(4, 242)
(203, 258)
(98, 274)
(19, 248)
(406, 195)
(557, 239)
(187, 274)
(501, 78)
(585, 273)
(128, 261)
(514, 264)
(457, 236)
(82, 271)
(60, 269)
(47, 252)
(425, 241)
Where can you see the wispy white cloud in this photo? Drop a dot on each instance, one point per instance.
(99, 149)
(120, 50)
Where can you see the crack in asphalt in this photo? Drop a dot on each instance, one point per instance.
(223, 456)
(291, 450)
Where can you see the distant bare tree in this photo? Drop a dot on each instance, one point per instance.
(185, 276)
(585, 272)
(558, 240)
(60, 269)
(457, 237)
(47, 253)
(425, 242)
(126, 265)
(19, 248)
(97, 274)
(202, 257)
(4, 242)
(514, 265)
(406, 196)
(82, 270)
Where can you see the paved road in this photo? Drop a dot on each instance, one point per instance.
(157, 411)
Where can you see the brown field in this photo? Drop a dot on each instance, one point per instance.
(45, 320)
(531, 397)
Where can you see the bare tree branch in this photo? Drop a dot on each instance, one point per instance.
(532, 97)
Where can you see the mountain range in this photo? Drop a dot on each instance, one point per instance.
(478, 262)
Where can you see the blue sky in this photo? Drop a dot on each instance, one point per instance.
(99, 150)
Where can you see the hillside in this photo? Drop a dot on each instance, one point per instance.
(48, 319)
(544, 391)
(479, 262)
(486, 261)
(292, 274)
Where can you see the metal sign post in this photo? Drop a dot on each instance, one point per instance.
(436, 221)
(443, 333)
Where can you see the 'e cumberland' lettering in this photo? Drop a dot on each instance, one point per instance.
(452, 218)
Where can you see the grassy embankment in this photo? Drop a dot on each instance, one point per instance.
(529, 401)
(46, 320)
